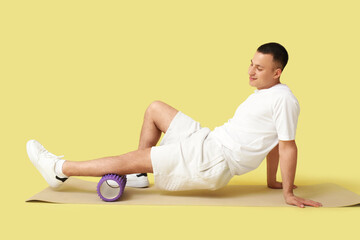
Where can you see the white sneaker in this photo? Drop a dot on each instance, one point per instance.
(44, 161)
(139, 180)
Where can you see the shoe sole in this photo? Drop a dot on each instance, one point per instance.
(137, 184)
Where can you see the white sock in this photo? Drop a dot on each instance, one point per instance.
(58, 169)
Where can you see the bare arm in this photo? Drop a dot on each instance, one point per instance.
(288, 161)
(272, 160)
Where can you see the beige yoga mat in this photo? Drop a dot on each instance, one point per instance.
(79, 191)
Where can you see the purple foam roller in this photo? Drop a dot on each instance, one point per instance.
(111, 187)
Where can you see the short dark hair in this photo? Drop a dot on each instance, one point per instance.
(279, 53)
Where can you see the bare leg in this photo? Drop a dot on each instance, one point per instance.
(157, 119)
(131, 162)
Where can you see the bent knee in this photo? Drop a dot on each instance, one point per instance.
(155, 106)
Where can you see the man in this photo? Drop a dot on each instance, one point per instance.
(193, 157)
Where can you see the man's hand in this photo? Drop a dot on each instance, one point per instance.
(277, 185)
(301, 202)
(288, 160)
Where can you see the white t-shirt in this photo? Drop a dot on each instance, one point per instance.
(264, 118)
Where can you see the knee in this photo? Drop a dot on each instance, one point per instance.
(154, 107)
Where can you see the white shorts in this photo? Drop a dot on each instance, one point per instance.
(189, 158)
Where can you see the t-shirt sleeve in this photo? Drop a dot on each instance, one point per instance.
(286, 112)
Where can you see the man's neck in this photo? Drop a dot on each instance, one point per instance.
(270, 86)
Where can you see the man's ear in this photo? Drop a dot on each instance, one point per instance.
(277, 73)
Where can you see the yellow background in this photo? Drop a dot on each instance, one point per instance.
(78, 76)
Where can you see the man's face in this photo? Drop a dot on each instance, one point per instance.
(262, 71)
